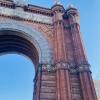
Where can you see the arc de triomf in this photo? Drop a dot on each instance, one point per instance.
(51, 38)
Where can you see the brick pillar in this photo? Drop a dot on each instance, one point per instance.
(37, 83)
(62, 73)
(87, 86)
(48, 83)
(63, 81)
(87, 82)
(45, 83)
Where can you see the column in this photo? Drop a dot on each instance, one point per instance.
(37, 83)
(48, 83)
(63, 81)
(87, 84)
(60, 60)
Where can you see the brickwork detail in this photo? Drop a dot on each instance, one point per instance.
(51, 38)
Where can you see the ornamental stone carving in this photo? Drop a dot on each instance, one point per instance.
(84, 67)
(62, 65)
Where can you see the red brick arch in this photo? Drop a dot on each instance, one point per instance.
(51, 38)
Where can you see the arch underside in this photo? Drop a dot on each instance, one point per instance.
(13, 43)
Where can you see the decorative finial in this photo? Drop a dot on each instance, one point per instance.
(56, 2)
(70, 6)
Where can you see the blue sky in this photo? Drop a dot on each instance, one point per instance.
(16, 72)
(16, 77)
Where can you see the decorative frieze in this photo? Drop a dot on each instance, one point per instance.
(84, 67)
(62, 65)
(73, 67)
(79, 68)
(25, 15)
(48, 67)
(54, 67)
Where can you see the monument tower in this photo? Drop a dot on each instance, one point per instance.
(51, 38)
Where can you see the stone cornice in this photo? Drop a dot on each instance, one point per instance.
(41, 9)
(21, 14)
(28, 8)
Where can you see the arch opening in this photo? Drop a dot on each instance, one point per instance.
(22, 39)
(16, 77)
(29, 33)
(12, 43)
